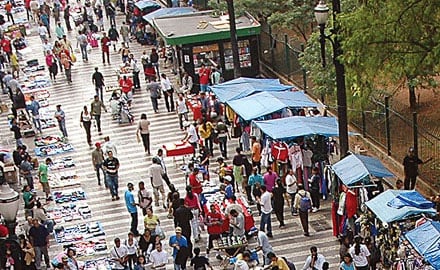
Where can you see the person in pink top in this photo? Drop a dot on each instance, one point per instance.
(270, 178)
(51, 63)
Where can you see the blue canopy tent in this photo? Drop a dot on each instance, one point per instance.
(264, 103)
(243, 87)
(297, 126)
(383, 208)
(356, 168)
(426, 241)
(165, 12)
(147, 4)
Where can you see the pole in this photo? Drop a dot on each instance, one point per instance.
(364, 124)
(234, 42)
(286, 51)
(340, 84)
(304, 73)
(387, 124)
(415, 134)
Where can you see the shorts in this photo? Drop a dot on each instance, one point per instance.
(46, 187)
(158, 189)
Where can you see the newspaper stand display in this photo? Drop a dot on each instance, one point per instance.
(230, 246)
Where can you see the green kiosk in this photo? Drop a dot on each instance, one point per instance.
(201, 38)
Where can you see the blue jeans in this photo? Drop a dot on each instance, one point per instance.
(177, 266)
(265, 221)
(62, 125)
(98, 167)
(203, 87)
(112, 183)
(84, 52)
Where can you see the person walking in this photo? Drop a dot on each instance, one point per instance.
(182, 218)
(168, 91)
(86, 122)
(315, 260)
(182, 109)
(119, 255)
(164, 168)
(135, 70)
(204, 75)
(59, 31)
(82, 42)
(67, 18)
(8, 9)
(360, 254)
(291, 189)
(270, 178)
(279, 194)
(159, 257)
(155, 173)
(51, 64)
(222, 137)
(256, 153)
(315, 182)
(179, 243)
(144, 198)
(95, 109)
(113, 36)
(66, 61)
(111, 167)
(125, 33)
(109, 146)
(61, 118)
(97, 161)
(266, 210)
(143, 130)
(35, 111)
(132, 209)
(154, 89)
(105, 47)
(39, 237)
(411, 164)
(98, 81)
(154, 60)
(303, 205)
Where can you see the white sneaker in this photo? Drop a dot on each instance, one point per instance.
(314, 210)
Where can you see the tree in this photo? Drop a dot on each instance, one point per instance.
(387, 41)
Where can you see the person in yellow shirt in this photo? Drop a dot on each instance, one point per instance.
(256, 153)
(151, 221)
(205, 132)
(277, 261)
(14, 65)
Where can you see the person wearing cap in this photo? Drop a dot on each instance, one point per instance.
(179, 244)
(61, 118)
(411, 164)
(262, 243)
(97, 160)
(229, 188)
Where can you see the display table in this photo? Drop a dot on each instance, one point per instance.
(230, 246)
(47, 140)
(67, 212)
(98, 264)
(69, 195)
(53, 149)
(81, 232)
(63, 179)
(220, 204)
(178, 149)
(61, 163)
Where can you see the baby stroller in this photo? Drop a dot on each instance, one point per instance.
(125, 116)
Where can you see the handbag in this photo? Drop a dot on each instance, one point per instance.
(160, 232)
(73, 57)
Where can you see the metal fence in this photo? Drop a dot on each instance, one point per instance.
(277, 53)
(395, 129)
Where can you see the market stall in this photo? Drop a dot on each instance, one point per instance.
(425, 239)
(243, 87)
(166, 12)
(205, 39)
(144, 7)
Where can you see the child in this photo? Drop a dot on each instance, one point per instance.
(200, 262)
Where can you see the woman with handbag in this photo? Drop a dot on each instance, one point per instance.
(168, 91)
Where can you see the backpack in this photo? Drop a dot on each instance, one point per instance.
(305, 203)
(289, 264)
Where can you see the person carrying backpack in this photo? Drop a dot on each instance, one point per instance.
(303, 204)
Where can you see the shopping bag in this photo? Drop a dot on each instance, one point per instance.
(160, 232)
(73, 57)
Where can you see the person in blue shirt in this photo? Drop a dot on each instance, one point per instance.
(179, 244)
(229, 190)
(255, 178)
(132, 209)
(35, 110)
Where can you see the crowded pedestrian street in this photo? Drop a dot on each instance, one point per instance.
(100, 174)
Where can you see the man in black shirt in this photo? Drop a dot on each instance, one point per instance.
(182, 219)
(111, 167)
(98, 81)
(411, 167)
(39, 237)
(17, 132)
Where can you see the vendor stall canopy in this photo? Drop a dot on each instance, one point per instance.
(147, 4)
(298, 126)
(264, 103)
(426, 241)
(202, 27)
(165, 12)
(395, 205)
(358, 168)
(243, 87)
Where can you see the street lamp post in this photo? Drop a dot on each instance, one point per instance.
(321, 15)
(9, 204)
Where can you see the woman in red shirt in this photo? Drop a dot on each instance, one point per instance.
(194, 182)
(192, 202)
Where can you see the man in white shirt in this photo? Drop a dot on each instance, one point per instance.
(159, 257)
(155, 172)
(266, 209)
(109, 146)
(262, 243)
(315, 260)
(118, 255)
(291, 188)
(42, 31)
(164, 167)
(191, 135)
(237, 223)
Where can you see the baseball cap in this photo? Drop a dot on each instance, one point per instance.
(253, 230)
(178, 230)
(227, 178)
(98, 144)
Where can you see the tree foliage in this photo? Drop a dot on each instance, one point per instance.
(387, 41)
